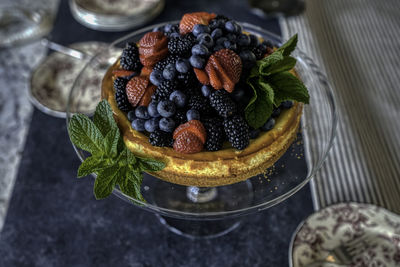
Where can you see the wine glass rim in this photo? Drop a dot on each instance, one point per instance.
(239, 212)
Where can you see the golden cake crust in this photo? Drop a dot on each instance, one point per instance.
(206, 169)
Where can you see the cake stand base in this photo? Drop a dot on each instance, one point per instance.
(194, 229)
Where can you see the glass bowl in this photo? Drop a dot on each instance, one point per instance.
(288, 175)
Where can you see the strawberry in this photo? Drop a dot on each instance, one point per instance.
(152, 48)
(146, 98)
(122, 73)
(187, 143)
(202, 76)
(193, 126)
(146, 71)
(190, 19)
(135, 89)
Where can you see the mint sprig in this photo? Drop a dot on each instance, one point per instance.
(272, 83)
(111, 160)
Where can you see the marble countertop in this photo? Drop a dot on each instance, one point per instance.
(54, 220)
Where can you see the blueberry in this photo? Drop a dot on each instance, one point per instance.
(230, 45)
(205, 39)
(254, 40)
(268, 125)
(206, 90)
(254, 133)
(131, 115)
(231, 37)
(217, 23)
(151, 125)
(179, 98)
(218, 47)
(199, 50)
(221, 40)
(166, 108)
(174, 35)
(138, 124)
(167, 125)
(182, 65)
(230, 26)
(158, 29)
(215, 34)
(197, 61)
(276, 112)
(142, 113)
(285, 104)
(169, 72)
(170, 28)
(152, 109)
(238, 94)
(248, 58)
(156, 77)
(192, 114)
(243, 40)
(200, 28)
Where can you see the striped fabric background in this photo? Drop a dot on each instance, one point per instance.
(357, 43)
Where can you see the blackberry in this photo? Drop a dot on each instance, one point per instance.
(130, 58)
(181, 45)
(215, 133)
(160, 65)
(222, 103)
(180, 117)
(161, 138)
(120, 95)
(164, 90)
(199, 103)
(237, 132)
(258, 52)
(186, 79)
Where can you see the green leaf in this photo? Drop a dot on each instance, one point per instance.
(129, 182)
(286, 86)
(272, 59)
(285, 64)
(84, 134)
(106, 181)
(90, 165)
(103, 117)
(150, 165)
(289, 46)
(111, 142)
(260, 107)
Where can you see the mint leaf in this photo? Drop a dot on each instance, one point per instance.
(90, 165)
(260, 107)
(111, 142)
(150, 165)
(103, 117)
(285, 64)
(289, 46)
(129, 183)
(266, 62)
(106, 181)
(84, 134)
(286, 86)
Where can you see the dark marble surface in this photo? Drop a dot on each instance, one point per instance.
(54, 220)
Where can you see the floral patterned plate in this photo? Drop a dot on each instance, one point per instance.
(52, 80)
(341, 223)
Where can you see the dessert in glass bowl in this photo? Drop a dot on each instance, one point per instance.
(211, 101)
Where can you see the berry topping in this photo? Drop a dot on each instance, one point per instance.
(152, 48)
(166, 108)
(192, 114)
(188, 143)
(130, 58)
(131, 115)
(179, 98)
(181, 45)
(268, 125)
(182, 65)
(189, 20)
(138, 125)
(167, 125)
(221, 101)
(199, 29)
(152, 109)
(161, 139)
(122, 73)
(215, 133)
(151, 125)
(197, 61)
(156, 77)
(199, 103)
(206, 90)
(120, 84)
(120, 95)
(135, 89)
(237, 132)
(164, 90)
(142, 113)
(146, 98)
(193, 126)
(180, 117)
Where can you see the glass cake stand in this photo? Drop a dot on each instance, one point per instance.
(210, 212)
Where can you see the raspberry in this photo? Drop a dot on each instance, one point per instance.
(222, 103)
(164, 90)
(161, 139)
(130, 58)
(237, 132)
(199, 103)
(215, 133)
(181, 45)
